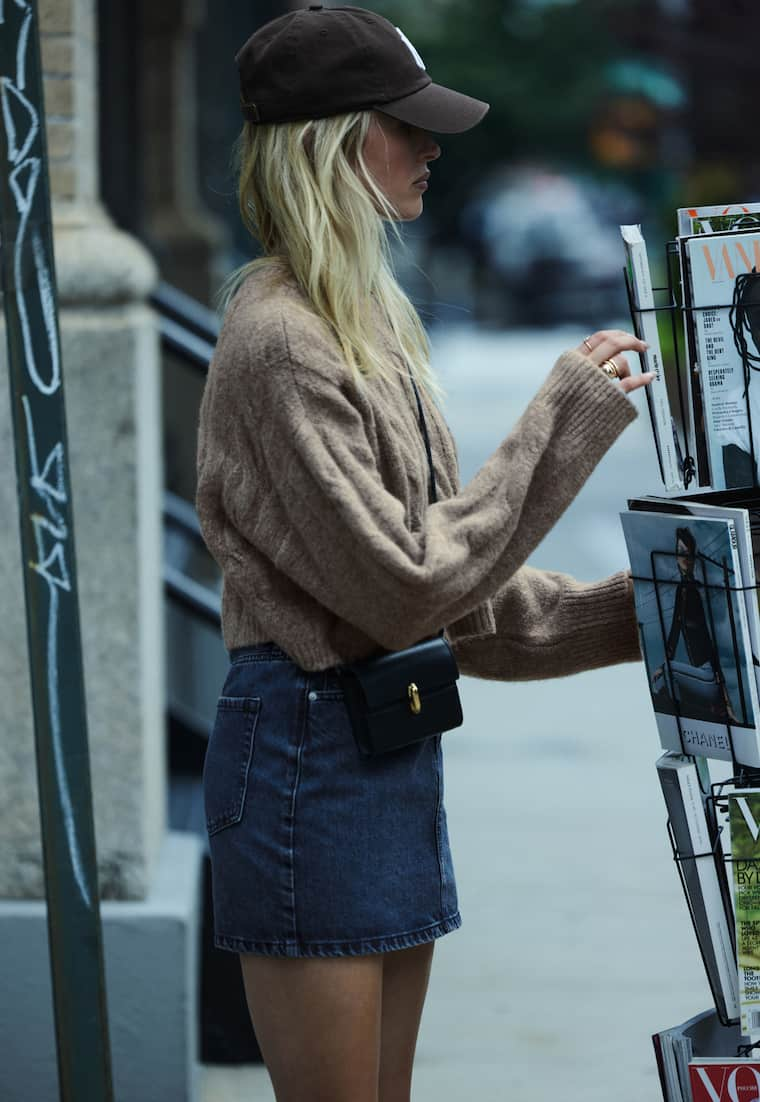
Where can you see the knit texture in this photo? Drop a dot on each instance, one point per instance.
(313, 498)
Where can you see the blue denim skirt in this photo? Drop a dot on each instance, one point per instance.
(316, 850)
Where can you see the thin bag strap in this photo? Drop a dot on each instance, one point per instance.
(433, 496)
(423, 428)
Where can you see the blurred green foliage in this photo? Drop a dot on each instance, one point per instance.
(541, 65)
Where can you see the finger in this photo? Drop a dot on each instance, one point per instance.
(619, 342)
(619, 338)
(619, 362)
(633, 382)
(589, 343)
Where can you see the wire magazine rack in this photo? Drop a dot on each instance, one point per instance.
(744, 315)
(742, 776)
(684, 376)
(715, 801)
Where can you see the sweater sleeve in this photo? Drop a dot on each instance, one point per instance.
(550, 625)
(348, 543)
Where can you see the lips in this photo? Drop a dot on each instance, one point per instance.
(423, 179)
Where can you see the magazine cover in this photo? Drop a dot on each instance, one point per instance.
(726, 333)
(737, 216)
(656, 392)
(722, 1080)
(700, 1036)
(744, 824)
(694, 634)
(745, 546)
(696, 842)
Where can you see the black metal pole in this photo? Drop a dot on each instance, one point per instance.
(47, 542)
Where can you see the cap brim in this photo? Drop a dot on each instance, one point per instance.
(437, 108)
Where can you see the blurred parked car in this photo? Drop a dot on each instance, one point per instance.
(546, 247)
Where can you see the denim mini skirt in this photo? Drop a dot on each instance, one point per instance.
(316, 850)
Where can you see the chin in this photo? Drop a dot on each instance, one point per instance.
(412, 211)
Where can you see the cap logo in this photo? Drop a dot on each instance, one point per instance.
(411, 48)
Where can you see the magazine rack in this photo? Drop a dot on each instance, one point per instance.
(678, 348)
(744, 778)
(676, 310)
(742, 775)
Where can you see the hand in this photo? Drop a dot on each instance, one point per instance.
(609, 344)
(657, 675)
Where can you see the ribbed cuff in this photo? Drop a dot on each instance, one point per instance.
(593, 410)
(598, 622)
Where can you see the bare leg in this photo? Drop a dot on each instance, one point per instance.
(317, 1022)
(405, 980)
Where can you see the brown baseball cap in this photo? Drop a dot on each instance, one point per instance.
(321, 61)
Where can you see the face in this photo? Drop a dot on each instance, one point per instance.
(397, 156)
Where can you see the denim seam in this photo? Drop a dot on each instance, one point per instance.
(438, 802)
(355, 946)
(223, 820)
(244, 659)
(301, 727)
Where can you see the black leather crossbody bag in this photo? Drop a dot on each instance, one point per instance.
(403, 696)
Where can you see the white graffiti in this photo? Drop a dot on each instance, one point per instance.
(47, 302)
(21, 49)
(41, 479)
(10, 93)
(19, 4)
(48, 479)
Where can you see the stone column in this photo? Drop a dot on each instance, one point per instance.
(111, 381)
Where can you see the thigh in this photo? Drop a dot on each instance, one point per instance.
(317, 1022)
(405, 981)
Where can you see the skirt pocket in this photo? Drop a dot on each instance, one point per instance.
(228, 760)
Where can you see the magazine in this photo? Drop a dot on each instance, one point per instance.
(657, 394)
(744, 546)
(718, 1079)
(694, 634)
(718, 268)
(689, 387)
(744, 823)
(738, 216)
(701, 1036)
(703, 869)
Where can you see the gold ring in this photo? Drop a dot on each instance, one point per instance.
(585, 341)
(610, 368)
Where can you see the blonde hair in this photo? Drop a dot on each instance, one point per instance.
(306, 194)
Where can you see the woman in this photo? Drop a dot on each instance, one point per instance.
(701, 685)
(332, 873)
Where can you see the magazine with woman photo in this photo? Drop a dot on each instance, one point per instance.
(694, 634)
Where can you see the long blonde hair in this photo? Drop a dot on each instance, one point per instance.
(306, 194)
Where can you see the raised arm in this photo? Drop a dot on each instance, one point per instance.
(348, 543)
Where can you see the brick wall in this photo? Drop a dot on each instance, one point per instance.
(67, 39)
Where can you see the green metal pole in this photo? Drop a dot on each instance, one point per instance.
(47, 542)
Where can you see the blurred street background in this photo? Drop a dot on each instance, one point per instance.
(576, 944)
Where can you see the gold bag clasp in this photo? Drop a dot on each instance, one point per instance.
(414, 698)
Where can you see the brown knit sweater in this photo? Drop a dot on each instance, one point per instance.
(312, 497)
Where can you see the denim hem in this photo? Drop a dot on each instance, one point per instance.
(361, 947)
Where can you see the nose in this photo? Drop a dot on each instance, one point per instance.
(431, 150)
